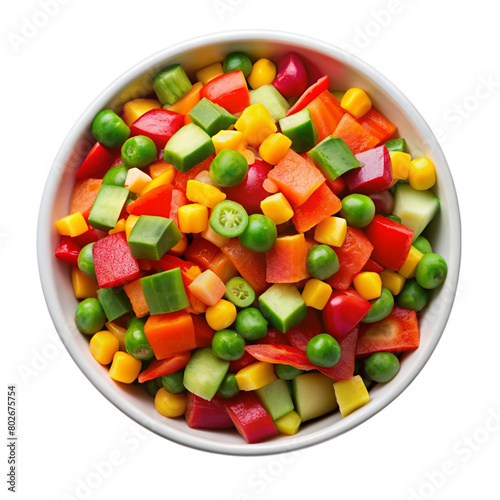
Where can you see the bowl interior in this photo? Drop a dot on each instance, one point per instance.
(344, 71)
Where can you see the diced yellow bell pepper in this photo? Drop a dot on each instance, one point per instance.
(331, 231)
(119, 332)
(221, 315)
(256, 124)
(124, 368)
(277, 208)
(103, 346)
(166, 177)
(274, 147)
(368, 285)
(316, 293)
(255, 376)
(229, 139)
(288, 424)
(401, 163)
(409, 267)
(84, 286)
(136, 108)
(137, 180)
(204, 194)
(120, 227)
(357, 102)
(193, 218)
(351, 394)
(393, 281)
(72, 225)
(204, 75)
(130, 223)
(422, 174)
(170, 405)
(263, 73)
(210, 235)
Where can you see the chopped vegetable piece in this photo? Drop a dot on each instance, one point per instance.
(275, 398)
(351, 395)
(165, 292)
(300, 129)
(115, 303)
(203, 414)
(107, 207)
(229, 91)
(160, 367)
(313, 395)
(171, 84)
(354, 135)
(286, 261)
(159, 125)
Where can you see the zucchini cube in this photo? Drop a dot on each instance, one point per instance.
(114, 302)
(211, 117)
(164, 292)
(300, 129)
(171, 84)
(275, 398)
(274, 102)
(107, 207)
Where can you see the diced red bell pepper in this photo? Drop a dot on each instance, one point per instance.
(250, 418)
(354, 135)
(201, 252)
(203, 414)
(353, 255)
(236, 365)
(326, 114)
(67, 251)
(377, 124)
(343, 311)
(89, 236)
(158, 124)
(182, 178)
(203, 334)
(229, 91)
(391, 241)
(274, 336)
(300, 335)
(309, 95)
(113, 261)
(161, 367)
(280, 355)
(372, 267)
(397, 332)
(96, 162)
(179, 199)
(154, 202)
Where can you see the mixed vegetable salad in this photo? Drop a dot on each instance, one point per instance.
(249, 248)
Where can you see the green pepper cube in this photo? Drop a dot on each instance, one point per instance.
(211, 117)
(272, 100)
(114, 302)
(300, 129)
(164, 292)
(276, 399)
(152, 236)
(396, 145)
(333, 157)
(107, 207)
(283, 306)
(189, 146)
(171, 84)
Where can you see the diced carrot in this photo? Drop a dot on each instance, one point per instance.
(202, 332)
(377, 124)
(296, 177)
(188, 101)
(208, 288)
(354, 135)
(182, 178)
(223, 267)
(83, 196)
(154, 202)
(136, 296)
(326, 114)
(158, 167)
(201, 252)
(286, 261)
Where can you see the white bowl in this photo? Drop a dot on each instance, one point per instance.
(344, 71)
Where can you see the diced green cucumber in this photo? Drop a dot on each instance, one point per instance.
(164, 292)
(338, 94)
(204, 373)
(283, 306)
(415, 208)
(211, 117)
(272, 100)
(107, 207)
(114, 302)
(152, 236)
(300, 129)
(189, 146)
(171, 84)
(314, 395)
(333, 157)
(275, 398)
(396, 145)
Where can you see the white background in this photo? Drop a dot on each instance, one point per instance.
(440, 55)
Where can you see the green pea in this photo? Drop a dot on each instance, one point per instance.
(422, 244)
(89, 316)
(358, 210)
(136, 342)
(229, 168)
(431, 271)
(322, 262)
(139, 151)
(86, 261)
(412, 296)
(152, 386)
(251, 324)
(237, 61)
(323, 350)
(382, 366)
(116, 176)
(381, 307)
(287, 372)
(260, 233)
(228, 345)
(109, 129)
(229, 387)
(173, 383)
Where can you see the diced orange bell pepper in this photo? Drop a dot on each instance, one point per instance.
(326, 114)
(377, 124)
(354, 135)
(83, 196)
(201, 252)
(223, 267)
(136, 296)
(286, 261)
(188, 101)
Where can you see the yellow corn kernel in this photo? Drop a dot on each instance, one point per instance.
(357, 102)
(204, 75)
(255, 376)
(288, 424)
(393, 281)
(204, 194)
(351, 394)
(316, 293)
(331, 231)
(84, 286)
(221, 315)
(422, 174)
(178, 248)
(410, 264)
(166, 177)
(263, 73)
(130, 223)
(124, 368)
(277, 208)
(137, 180)
(256, 124)
(120, 227)
(119, 332)
(170, 405)
(401, 163)
(103, 346)
(72, 225)
(274, 147)
(229, 139)
(136, 108)
(210, 235)
(368, 285)
(193, 218)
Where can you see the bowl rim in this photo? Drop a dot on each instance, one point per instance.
(46, 261)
